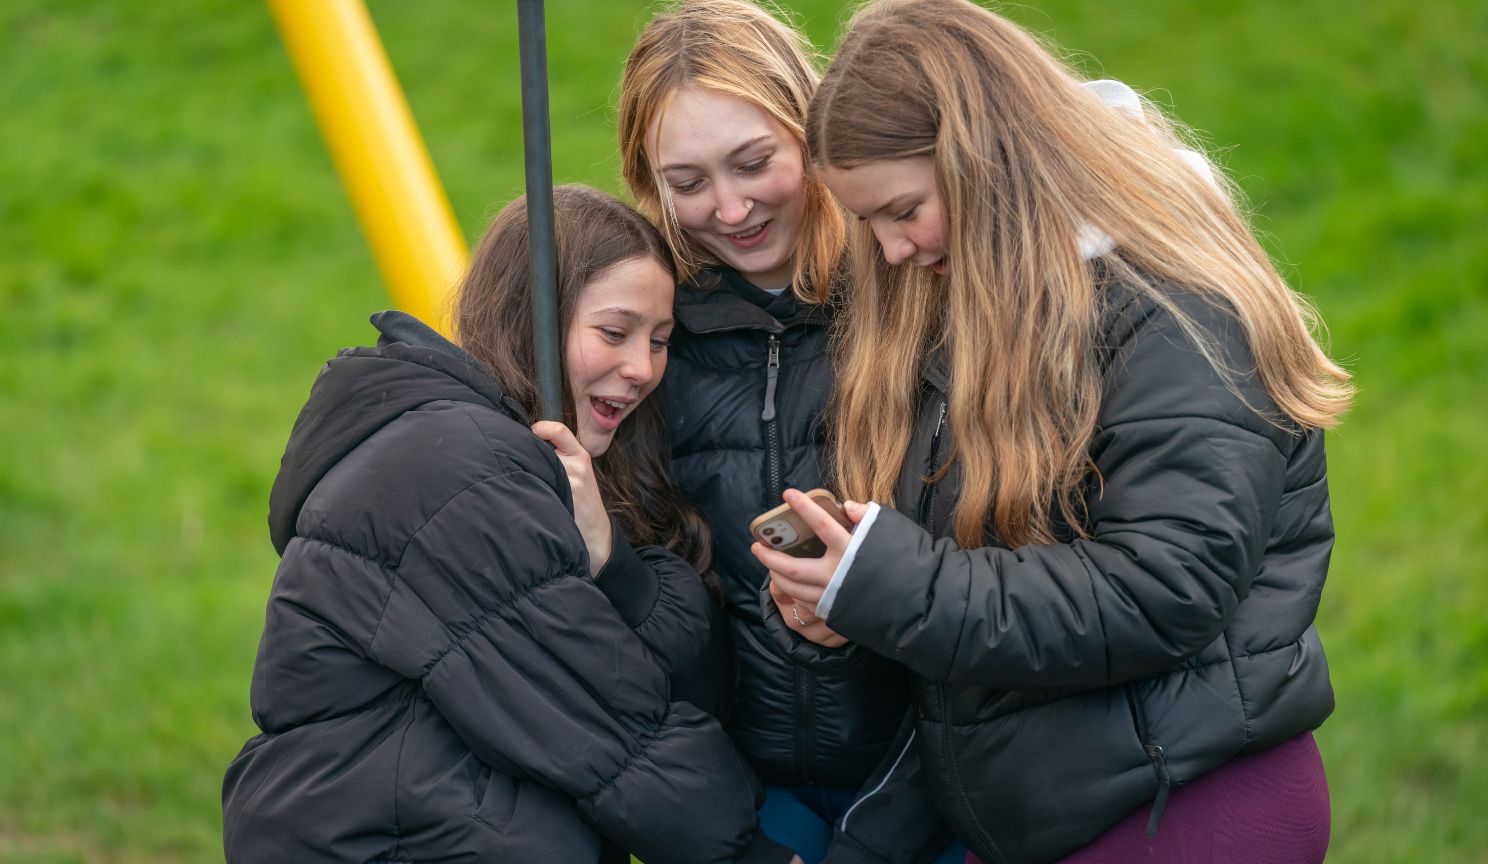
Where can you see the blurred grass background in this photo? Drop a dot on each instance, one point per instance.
(177, 258)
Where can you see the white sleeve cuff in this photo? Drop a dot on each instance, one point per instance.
(829, 596)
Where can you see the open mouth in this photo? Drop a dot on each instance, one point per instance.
(607, 412)
(752, 237)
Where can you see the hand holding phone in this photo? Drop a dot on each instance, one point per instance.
(782, 529)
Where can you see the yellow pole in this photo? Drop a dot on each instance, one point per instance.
(377, 150)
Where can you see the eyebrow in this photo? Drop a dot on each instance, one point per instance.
(677, 166)
(628, 314)
(898, 202)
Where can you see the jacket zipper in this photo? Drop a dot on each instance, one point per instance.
(775, 482)
(948, 760)
(947, 754)
(1159, 763)
(772, 433)
(927, 495)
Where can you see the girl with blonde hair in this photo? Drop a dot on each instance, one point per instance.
(712, 135)
(1091, 415)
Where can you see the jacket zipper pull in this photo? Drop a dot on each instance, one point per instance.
(772, 373)
(1155, 753)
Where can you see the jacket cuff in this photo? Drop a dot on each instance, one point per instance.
(829, 594)
(763, 850)
(629, 583)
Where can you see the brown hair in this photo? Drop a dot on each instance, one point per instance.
(739, 49)
(493, 321)
(1023, 157)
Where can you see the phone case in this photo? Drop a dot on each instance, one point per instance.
(783, 529)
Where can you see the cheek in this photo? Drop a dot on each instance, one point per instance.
(783, 187)
(938, 226)
(577, 356)
(693, 213)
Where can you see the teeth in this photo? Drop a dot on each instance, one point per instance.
(612, 403)
(745, 235)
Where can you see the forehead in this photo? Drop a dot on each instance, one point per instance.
(868, 186)
(637, 287)
(699, 124)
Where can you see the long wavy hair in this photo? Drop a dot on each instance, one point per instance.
(493, 322)
(737, 48)
(1024, 157)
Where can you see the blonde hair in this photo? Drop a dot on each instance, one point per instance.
(1023, 158)
(738, 49)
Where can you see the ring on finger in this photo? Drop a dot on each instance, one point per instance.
(796, 616)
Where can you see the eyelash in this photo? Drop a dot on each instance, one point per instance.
(692, 186)
(618, 336)
(907, 214)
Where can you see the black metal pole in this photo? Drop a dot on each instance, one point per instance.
(542, 251)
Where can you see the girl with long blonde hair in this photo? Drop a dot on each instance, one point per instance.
(1091, 415)
(712, 135)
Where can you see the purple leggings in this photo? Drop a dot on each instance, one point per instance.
(1266, 808)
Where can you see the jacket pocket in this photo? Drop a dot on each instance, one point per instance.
(495, 798)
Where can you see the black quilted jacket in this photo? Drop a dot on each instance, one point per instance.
(747, 380)
(1063, 686)
(439, 679)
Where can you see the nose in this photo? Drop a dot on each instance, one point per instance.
(896, 247)
(733, 205)
(636, 366)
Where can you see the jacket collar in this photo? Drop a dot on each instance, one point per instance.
(936, 371)
(431, 349)
(718, 301)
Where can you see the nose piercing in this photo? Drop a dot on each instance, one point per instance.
(748, 206)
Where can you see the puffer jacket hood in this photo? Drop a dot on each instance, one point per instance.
(412, 365)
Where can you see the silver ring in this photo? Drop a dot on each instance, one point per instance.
(796, 615)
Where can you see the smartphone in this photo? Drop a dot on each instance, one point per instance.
(783, 528)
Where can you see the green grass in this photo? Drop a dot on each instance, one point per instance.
(179, 258)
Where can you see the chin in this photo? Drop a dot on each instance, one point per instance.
(596, 446)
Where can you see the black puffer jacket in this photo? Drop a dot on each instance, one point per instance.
(747, 379)
(1066, 685)
(439, 679)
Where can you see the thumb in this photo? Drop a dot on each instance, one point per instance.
(559, 435)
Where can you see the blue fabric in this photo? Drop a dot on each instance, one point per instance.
(801, 817)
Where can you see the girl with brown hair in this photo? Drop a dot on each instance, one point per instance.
(476, 648)
(1091, 415)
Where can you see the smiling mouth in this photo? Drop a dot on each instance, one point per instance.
(608, 412)
(751, 233)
